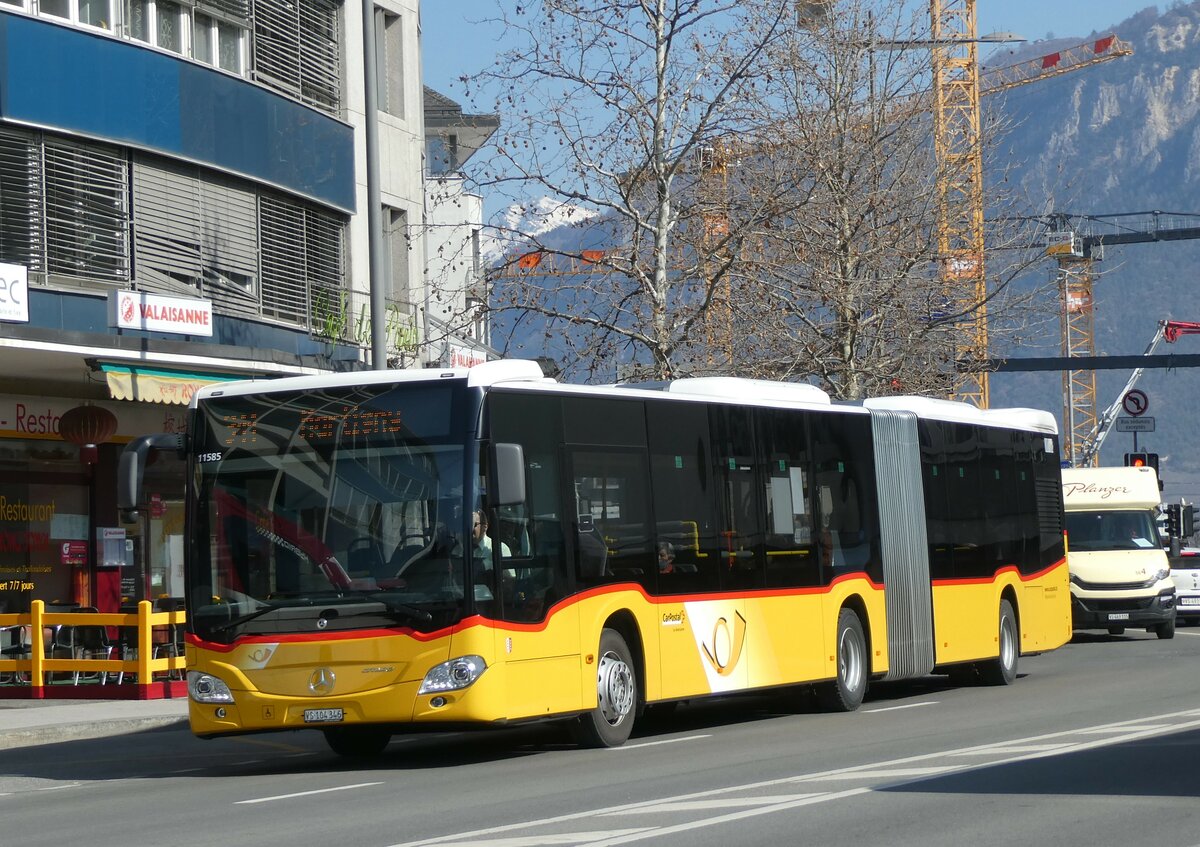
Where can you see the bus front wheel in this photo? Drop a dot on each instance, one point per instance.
(846, 692)
(611, 722)
(357, 742)
(1003, 669)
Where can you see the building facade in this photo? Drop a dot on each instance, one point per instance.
(182, 201)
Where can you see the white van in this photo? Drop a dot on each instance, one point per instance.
(1120, 576)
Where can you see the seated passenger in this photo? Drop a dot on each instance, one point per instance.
(666, 557)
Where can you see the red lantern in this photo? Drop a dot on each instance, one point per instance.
(86, 427)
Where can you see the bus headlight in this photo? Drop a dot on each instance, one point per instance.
(206, 688)
(453, 675)
(1162, 574)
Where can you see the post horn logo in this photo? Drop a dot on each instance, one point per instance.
(321, 681)
(725, 647)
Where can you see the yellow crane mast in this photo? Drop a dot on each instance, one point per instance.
(959, 155)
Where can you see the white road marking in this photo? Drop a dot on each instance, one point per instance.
(1107, 730)
(901, 773)
(706, 805)
(1007, 749)
(59, 787)
(656, 743)
(600, 836)
(306, 793)
(1033, 747)
(896, 708)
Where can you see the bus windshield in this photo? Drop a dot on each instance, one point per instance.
(328, 509)
(1132, 529)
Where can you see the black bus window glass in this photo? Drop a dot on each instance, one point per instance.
(965, 514)
(604, 421)
(681, 479)
(791, 552)
(533, 531)
(847, 511)
(935, 482)
(612, 506)
(741, 512)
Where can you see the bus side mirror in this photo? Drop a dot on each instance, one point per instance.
(506, 482)
(133, 467)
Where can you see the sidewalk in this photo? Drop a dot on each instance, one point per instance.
(24, 723)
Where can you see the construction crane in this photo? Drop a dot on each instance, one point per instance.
(1078, 242)
(957, 87)
(1089, 450)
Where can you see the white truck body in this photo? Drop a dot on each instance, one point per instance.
(1120, 576)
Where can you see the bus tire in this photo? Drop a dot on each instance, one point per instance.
(611, 722)
(846, 692)
(1003, 669)
(1116, 630)
(1165, 630)
(357, 742)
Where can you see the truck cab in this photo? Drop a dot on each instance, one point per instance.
(1120, 575)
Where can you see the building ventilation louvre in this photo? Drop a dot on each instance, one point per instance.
(22, 234)
(87, 216)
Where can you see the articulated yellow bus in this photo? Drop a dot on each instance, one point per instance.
(388, 551)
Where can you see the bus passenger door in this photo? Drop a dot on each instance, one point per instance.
(612, 539)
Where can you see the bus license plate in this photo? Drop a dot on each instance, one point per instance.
(1114, 616)
(323, 715)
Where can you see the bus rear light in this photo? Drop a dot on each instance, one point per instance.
(453, 675)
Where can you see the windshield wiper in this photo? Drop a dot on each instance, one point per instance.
(249, 616)
(410, 612)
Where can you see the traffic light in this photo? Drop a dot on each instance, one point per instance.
(1181, 520)
(1142, 460)
(1174, 519)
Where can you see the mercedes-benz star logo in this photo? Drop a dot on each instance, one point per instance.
(321, 681)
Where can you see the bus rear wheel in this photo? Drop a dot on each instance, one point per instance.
(611, 722)
(1003, 669)
(846, 692)
(357, 742)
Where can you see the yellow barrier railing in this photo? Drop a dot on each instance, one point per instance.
(32, 656)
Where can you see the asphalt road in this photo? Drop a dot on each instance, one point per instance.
(1095, 744)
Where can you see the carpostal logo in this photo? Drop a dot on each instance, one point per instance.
(1105, 491)
(725, 647)
(673, 618)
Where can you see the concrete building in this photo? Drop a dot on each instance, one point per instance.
(182, 201)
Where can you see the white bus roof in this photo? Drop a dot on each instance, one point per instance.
(488, 373)
(527, 373)
(1036, 420)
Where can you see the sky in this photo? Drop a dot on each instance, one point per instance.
(456, 41)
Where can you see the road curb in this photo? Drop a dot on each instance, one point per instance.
(34, 736)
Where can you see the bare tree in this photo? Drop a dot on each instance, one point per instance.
(849, 288)
(612, 108)
(753, 187)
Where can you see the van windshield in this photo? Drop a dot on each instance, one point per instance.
(1118, 530)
